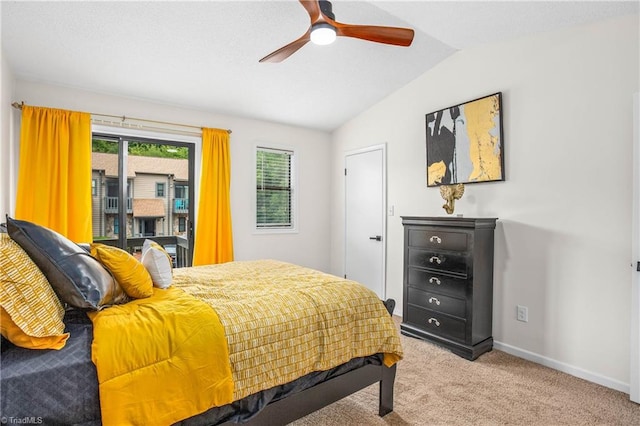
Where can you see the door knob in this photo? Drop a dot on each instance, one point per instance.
(377, 238)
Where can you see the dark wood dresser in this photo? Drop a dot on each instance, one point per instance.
(448, 282)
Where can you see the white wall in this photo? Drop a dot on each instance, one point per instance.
(6, 130)
(563, 236)
(308, 247)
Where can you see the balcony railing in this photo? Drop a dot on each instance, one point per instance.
(181, 205)
(176, 246)
(111, 205)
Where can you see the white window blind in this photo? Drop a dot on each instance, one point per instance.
(274, 190)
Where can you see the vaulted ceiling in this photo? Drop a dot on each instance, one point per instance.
(204, 54)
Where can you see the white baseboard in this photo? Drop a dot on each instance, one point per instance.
(561, 366)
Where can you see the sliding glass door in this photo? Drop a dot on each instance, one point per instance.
(142, 189)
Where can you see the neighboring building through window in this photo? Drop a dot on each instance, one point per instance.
(275, 206)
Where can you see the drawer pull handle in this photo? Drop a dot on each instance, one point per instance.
(435, 259)
(434, 280)
(435, 239)
(434, 300)
(434, 321)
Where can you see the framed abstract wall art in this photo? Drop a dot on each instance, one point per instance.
(465, 143)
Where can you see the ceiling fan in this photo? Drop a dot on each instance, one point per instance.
(324, 29)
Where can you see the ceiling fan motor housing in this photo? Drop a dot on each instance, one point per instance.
(326, 9)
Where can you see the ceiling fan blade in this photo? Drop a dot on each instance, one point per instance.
(288, 50)
(386, 35)
(313, 8)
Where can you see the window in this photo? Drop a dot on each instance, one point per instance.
(94, 187)
(124, 214)
(181, 198)
(181, 190)
(274, 189)
(182, 224)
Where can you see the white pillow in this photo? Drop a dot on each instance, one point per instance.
(158, 263)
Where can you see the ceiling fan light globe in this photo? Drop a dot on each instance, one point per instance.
(323, 34)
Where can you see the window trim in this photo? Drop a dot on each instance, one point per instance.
(295, 159)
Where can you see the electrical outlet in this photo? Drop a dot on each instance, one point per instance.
(522, 313)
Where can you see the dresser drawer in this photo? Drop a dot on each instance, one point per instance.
(446, 262)
(437, 323)
(443, 284)
(437, 302)
(435, 238)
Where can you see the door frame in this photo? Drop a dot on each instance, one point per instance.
(634, 356)
(382, 147)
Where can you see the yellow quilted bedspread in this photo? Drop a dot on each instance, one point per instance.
(169, 357)
(283, 321)
(160, 359)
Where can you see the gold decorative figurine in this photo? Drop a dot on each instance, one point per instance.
(451, 193)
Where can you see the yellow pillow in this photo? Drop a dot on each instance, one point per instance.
(132, 276)
(32, 315)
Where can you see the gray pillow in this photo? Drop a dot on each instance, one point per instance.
(77, 278)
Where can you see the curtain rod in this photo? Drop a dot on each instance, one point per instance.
(123, 118)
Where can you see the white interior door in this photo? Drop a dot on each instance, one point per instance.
(365, 201)
(634, 380)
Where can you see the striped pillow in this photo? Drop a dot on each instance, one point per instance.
(29, 301)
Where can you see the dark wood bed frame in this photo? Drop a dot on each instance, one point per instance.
(306, 402)
(323, 394)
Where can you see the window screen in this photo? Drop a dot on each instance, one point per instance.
(273, 188)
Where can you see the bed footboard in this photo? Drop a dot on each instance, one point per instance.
(306, 402)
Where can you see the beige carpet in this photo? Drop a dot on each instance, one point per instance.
(436, 387)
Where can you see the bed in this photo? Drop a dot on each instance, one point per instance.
(274, 377)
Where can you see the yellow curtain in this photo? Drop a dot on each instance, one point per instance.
(214, 239)
(54, 171)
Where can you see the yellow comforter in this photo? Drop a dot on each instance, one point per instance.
(160, 360)
(171, 356)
